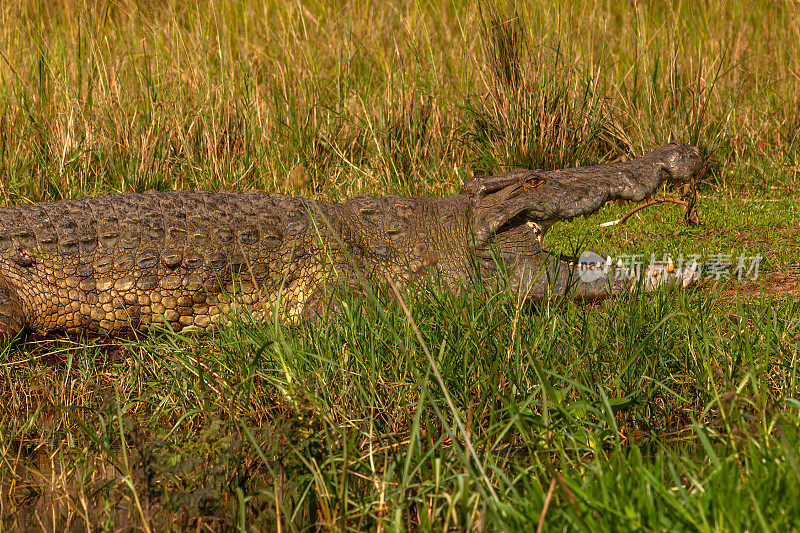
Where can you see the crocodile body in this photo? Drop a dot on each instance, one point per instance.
(191, 258)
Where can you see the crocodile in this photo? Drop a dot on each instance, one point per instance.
(191, 259)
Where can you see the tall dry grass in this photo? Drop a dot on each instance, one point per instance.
(410, 98)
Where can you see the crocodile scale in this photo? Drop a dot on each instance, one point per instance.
(186, 258)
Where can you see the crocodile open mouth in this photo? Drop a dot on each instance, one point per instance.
(513, 212)
(522, 239)
(521, 231)
(585, 259)
(539, 229)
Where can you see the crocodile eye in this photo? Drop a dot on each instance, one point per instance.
(23, 258)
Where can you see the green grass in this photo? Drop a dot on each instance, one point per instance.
(674, 411)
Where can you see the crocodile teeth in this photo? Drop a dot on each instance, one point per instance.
(538, 230)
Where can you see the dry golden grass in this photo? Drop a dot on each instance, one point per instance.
(384, 97)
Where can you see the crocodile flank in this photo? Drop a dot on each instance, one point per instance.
(188, 258)
(193, 259)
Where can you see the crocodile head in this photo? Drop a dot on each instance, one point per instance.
(512, 212)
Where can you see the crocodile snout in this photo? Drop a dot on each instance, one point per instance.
(683, 161)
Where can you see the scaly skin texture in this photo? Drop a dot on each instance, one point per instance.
(191, 259)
